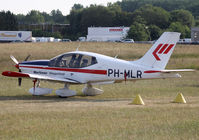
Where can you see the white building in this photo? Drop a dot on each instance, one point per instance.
(44, 39)
(195, 34)
(107, 33)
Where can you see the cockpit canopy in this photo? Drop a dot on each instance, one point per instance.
(73, 60)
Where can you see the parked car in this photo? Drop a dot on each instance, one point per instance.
(17, 41)
(118, 40)
(128, 41)
(82, 39)
(66, 40)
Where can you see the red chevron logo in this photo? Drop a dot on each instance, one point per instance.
(162, 49)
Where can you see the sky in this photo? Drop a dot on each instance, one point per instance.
(25, 6)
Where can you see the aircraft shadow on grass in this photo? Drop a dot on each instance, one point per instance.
(46, 99)
(188, 85)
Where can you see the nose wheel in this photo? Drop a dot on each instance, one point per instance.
(37, 90)
(36, 83)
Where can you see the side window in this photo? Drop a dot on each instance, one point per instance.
(73, 61)
(76, 63)
(61, 61)
(87, 61)
(93, 61)
(64, 61)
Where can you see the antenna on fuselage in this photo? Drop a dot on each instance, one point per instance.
(78, 46)
(117, 52)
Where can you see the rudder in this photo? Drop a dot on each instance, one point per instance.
(158, 55)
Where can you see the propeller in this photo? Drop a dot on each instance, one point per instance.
(14, 59)
(27, 57)
(19, 81)
(17, 66)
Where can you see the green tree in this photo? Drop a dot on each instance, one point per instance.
(187, 32)
(138, 32)
(57, 16)
(193, 8)
(20, 18)
(178, 27)
(47, 17)
(77, 7)
(39, 33)
(197, 22)
(96, 16)
(183, 16)
(75, 28)
(153, 15)
(139, 19)
(169, 5)
(34, 17)
(122, 19)
(8, 21)
(154, 31)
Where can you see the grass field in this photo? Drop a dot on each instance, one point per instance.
(105, 117)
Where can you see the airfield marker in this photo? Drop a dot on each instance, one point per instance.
(180, 99)
(138, 100)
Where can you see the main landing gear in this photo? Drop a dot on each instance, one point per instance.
(65, 92)
(88, 90)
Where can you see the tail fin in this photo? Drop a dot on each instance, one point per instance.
(158, 55)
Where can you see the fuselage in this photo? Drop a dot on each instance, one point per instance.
(100, 68)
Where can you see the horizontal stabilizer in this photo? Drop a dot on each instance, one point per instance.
(169, 71)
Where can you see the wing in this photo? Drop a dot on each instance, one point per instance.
(36, 76)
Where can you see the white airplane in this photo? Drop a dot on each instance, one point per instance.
(88, 68)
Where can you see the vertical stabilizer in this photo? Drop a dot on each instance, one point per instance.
(158, 55)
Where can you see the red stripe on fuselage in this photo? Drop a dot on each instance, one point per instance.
(90, 71)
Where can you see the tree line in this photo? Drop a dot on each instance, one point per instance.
(8, 21)
(147, 19)
(146, 23)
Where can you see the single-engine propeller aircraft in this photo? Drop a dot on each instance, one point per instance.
(88, 68)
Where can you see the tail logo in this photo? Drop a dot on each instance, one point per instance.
(162, 49)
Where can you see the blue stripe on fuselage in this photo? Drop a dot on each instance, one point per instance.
(36, 62)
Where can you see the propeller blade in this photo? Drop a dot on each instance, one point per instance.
(19, 81)
(27, 57)
(14, 59)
